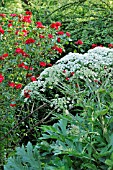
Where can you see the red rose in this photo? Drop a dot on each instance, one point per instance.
(1, 30)
(64, 71)
(72, 73)
(68, 34)
(30, 41)
(1, 78)
(11, 84)
(26, 94)
(49, 65)
(33, 78)
(67, 78)
(39, 25)
(25, 54)
(26, 18)
(42, 64)
(79, 42)
(56, 25)
(3, 56)
(59, 50)
(25, 32)
(21, 65)
(13, 15)
(50, 36)
(25, 67)
(60, 32)
(94, 45)
(10, 25)
(19, 51)
(28, 13)
(18, 86)
(110, 45)
(58, 39)
(3, 15)
(41, 36)
(13, 104)
(31, 68)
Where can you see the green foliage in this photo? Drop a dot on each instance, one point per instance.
(80, 140)
(90, 21)
(27, 158)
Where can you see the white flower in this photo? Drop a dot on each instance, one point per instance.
(88, 64)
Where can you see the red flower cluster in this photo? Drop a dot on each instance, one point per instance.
(13, 104)
(95, 45)
(14, 85)
(41, 36)
(1, 78)
(3, 56)
(20, 51)
(42, 64)
(68, 34)
(22, 65)
(26, 93)
(28, 13)
(50, 36)
(39, 25)
(33, 78)
(30, 41)
(60, 33)
(10, 25)
(1, 30)
(79, 42)
(56, 25)
(26, 18)
(13, 15)
(3, 15)
(23, 32)
(55, 47)
(110, 45)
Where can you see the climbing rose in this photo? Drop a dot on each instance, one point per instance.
(1, 78)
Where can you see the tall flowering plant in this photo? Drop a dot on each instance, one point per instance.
(27, 48)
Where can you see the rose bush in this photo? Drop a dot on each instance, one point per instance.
(27, 47)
